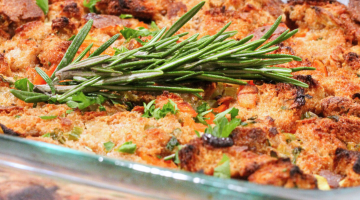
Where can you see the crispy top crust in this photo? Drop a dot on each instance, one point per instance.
(101, 21)
(279, 143)
(21, 11)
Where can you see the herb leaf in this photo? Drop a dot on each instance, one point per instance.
(44, 5)
(223, 127)
(81, 101)
(296, 152)
(46, 135)
(120, 51)
(126, 16)
(150, 111)
(24, 85)
(334, 117)
(75, 133)
(48, 117)
(223, 168)
(90, 4)
(173, 142)
(109, 145)
(177, 159)
(154, 27)
(130, 33)
(202, 110)
(232, 111)
(203, 107)
(128, 147)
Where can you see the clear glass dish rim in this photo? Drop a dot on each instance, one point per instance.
(46, 154)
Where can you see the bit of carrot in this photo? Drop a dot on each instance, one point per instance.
(211, 116)
(39, 80)
(139, 109)
(186, 108)
(224, 104)
(209, 91)
(157, 161)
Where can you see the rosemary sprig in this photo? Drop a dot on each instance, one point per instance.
(163, 64)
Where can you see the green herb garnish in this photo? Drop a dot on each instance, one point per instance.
(158, 113)
(170, 157)
(81, 101)
(223, 127)
(173, 142)
(17, 116)
(308, 115)
(46, 135)
(88, 148)
(197, 134)
(90, 4)
(44, 5)
(48, 117)
(176, 158)
(127, 147)
(69, 111)
(125, 16)
(296, 152)
(109, 145)
(202, 110)
(130, 33)
(75, 133)
(120, 51)
(223, 168)
(24, 85)
(334, 117)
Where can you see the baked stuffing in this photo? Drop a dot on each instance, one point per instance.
(290, 133)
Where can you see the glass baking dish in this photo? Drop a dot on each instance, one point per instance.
(71, 174)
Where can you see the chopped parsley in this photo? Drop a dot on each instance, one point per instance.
(223, 127)
(126, 16)
(202, 110)
(173, 142)
(46, 135)
(127, 147)
(296, 152)
(170, 157)
(334, 117)
(90, 4)
(223, 168)
(197, 133)
(130, 33)
(17, 116)
(158, 113)
(44, 5)
(109, 145)
(284, 108)
(154, 27)
(75, 133)
(88, 148)
(308, 115)
(176, 158)
(81, 101)
(24, 85)
(48, 117)
(58, 135)
(120, 51)
(69, 111)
